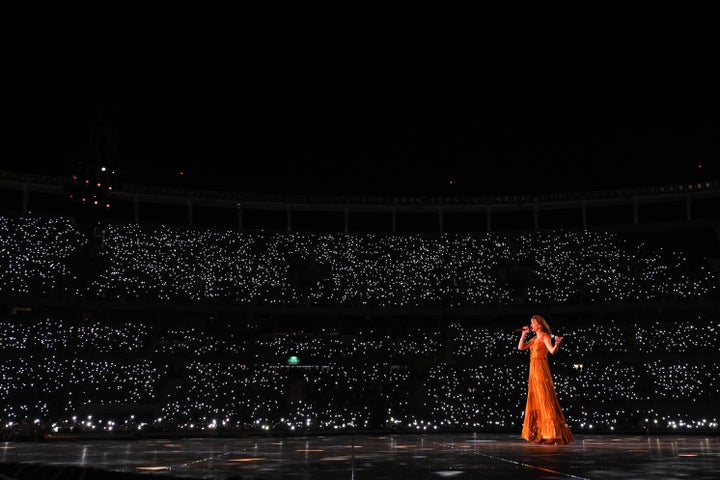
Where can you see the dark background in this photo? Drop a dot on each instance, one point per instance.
(363, 114)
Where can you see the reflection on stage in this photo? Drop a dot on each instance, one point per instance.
(432, 456)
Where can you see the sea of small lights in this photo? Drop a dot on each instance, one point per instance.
(628, 372)
(170, 263)
(361, 382)
(59, 335)
(36, 256)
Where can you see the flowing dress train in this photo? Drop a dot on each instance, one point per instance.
(544, 419)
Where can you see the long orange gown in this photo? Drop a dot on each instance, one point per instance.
(544, 419)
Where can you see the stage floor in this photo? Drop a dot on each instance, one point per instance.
(416, 457)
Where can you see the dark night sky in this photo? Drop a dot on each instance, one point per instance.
(395, 124)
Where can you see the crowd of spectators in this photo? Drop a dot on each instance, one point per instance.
(627, 371)
(137, 262)
(465, 378)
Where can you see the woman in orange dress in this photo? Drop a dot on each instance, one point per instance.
(544, 419)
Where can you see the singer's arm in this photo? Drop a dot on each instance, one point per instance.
(522, 344)
(548, 343)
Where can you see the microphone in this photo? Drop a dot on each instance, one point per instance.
(518, 330)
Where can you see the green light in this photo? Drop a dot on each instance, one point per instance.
(293, 360)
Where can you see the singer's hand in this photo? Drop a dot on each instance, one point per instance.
(558, 340)
(525, 329)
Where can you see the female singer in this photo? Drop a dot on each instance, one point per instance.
(544, 420)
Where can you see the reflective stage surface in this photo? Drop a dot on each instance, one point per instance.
(432, 456)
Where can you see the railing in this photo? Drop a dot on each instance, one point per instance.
(514, 199)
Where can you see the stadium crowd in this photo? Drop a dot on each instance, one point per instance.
(624, 371)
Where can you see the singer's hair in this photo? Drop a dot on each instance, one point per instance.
(541, 320)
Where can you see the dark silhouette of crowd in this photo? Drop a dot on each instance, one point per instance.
(67, 371)
(50, 256)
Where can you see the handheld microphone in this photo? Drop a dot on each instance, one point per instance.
(518, 330)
